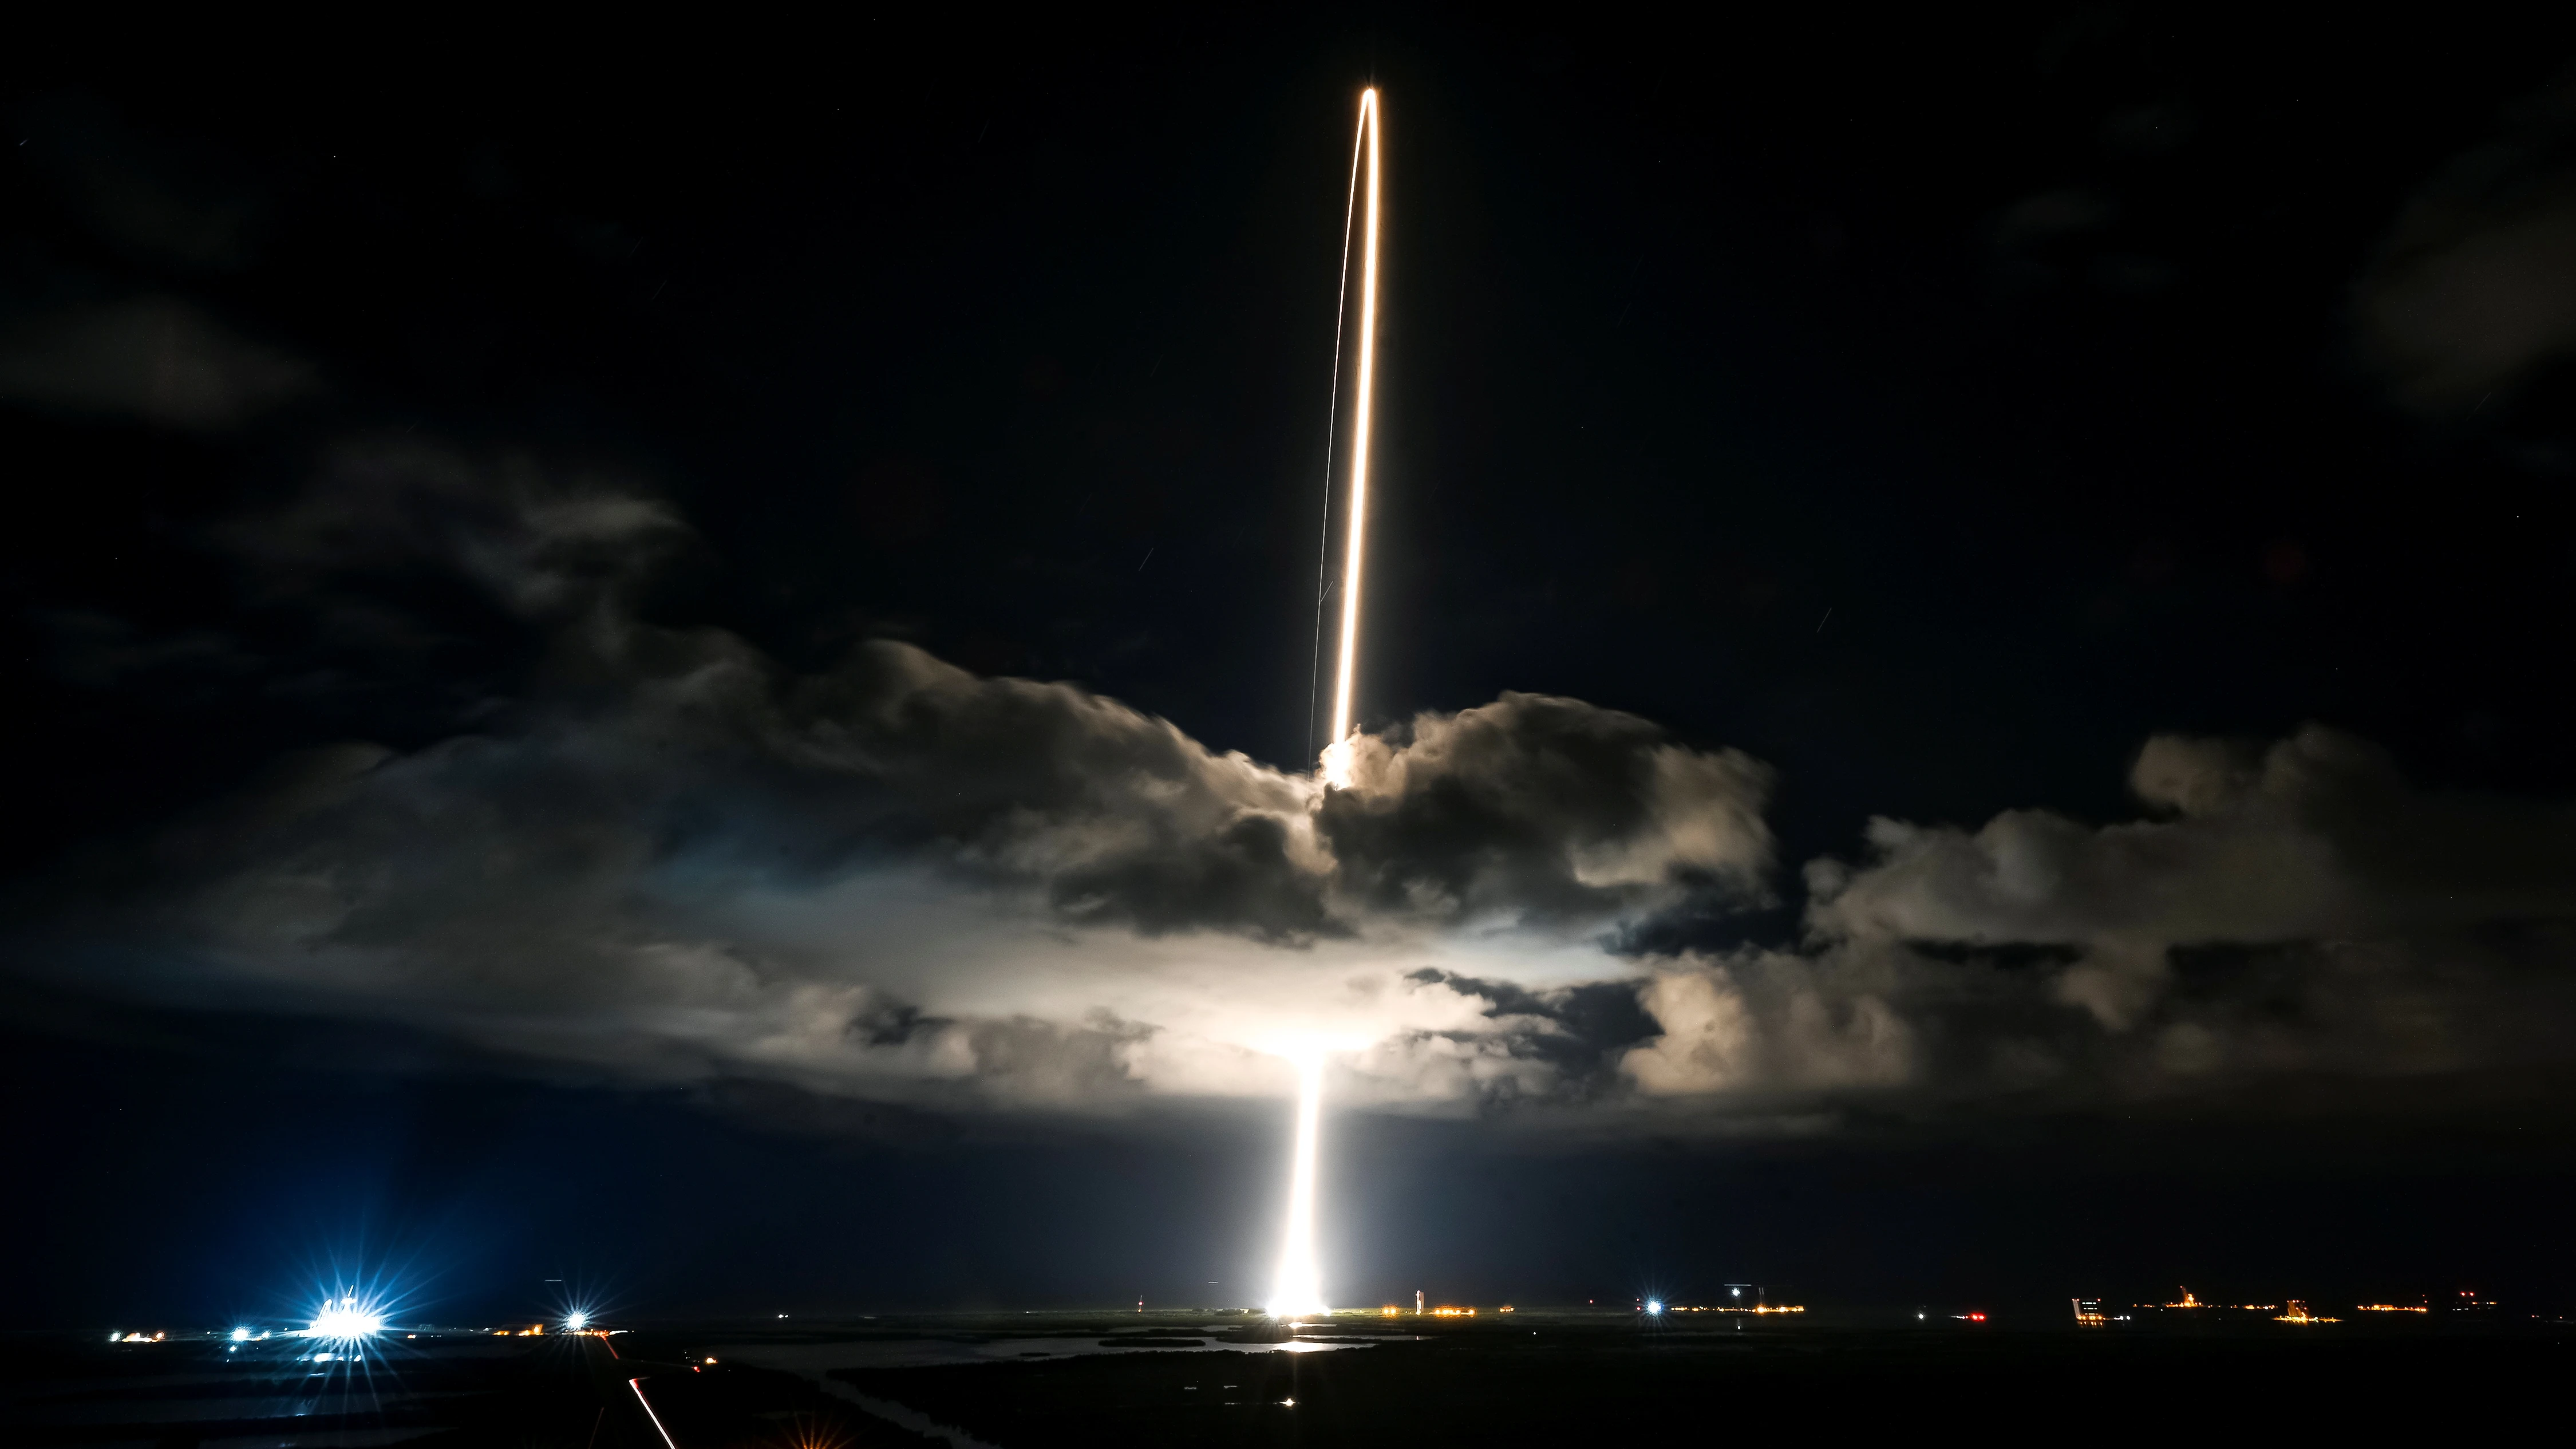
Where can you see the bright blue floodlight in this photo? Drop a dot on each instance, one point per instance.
(346, 1320)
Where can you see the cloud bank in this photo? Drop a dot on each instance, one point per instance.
(2295, 908)
(672, 859)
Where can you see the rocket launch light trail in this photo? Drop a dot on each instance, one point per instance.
(1363, 415)
(1300, 1286)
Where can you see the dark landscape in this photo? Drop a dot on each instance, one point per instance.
(1533, 1376)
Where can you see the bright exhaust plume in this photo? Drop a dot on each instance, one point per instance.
(1300, 1285)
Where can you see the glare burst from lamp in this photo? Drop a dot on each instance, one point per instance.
(346, 1320)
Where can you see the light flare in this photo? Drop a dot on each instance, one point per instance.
(346, 1319)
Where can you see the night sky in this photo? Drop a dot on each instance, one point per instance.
(686, 663)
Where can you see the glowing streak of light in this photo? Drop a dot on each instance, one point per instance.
(638, 1386)
(1362, 416)
(1333, 424)
(1300, 1286)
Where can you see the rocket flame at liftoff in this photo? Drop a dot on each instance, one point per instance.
(1337, 749)
(1300, 1286)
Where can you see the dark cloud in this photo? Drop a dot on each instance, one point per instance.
(2291, 909)
(188, 204)
(545, 547)
(2315, 836)
(1579, 1032)
(2051, 216)
(2158, 128)
(1537, 808)
(101, 651)
(155, 358)
(2473, 291)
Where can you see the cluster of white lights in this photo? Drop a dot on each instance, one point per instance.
(346, 1320)
(576, 1320)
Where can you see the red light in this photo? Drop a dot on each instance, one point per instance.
(1976, 1318)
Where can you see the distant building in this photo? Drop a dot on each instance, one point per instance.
(2089, 1314)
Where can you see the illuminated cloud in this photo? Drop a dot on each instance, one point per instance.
(2314, 836)
(675, 859)
(2297, 907)
(1766, 1023)
(670, 858)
